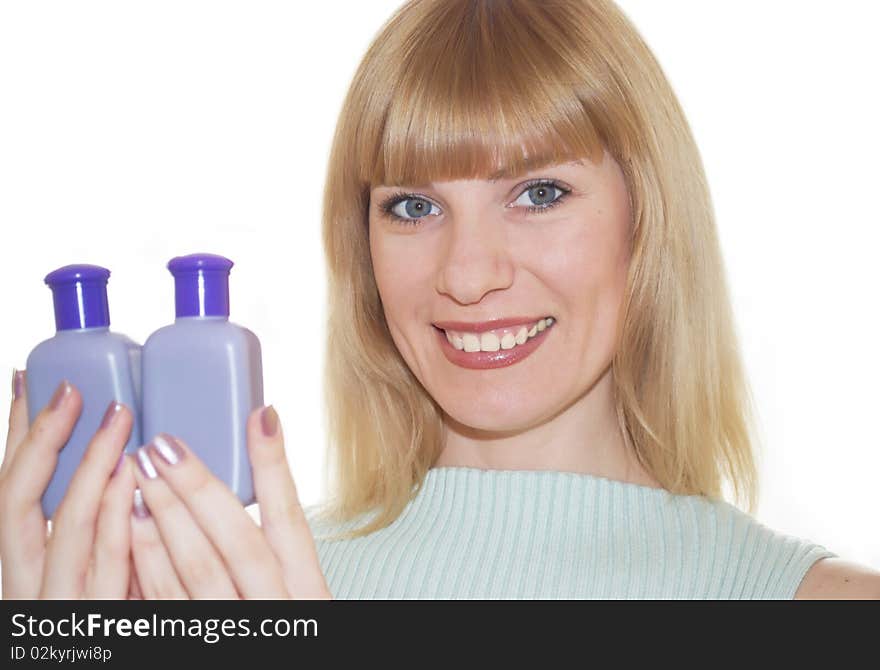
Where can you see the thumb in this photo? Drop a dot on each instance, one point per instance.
(281, 514)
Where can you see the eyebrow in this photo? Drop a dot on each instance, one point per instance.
(505, 172)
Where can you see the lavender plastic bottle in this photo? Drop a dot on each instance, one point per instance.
(102, 365)
(203, 375)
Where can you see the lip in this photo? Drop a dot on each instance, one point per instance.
(483, 326)
(487, 360)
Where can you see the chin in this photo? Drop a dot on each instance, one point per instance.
(498, 415)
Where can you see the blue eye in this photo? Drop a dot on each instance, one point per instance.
(543, 194)
(413, 207)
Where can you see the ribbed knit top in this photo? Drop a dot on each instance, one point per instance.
(517, 534)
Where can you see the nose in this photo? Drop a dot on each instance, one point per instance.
(476, 259)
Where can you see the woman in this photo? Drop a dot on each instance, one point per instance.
(533, 380)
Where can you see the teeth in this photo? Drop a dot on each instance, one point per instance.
(490, 341)
(471, 343)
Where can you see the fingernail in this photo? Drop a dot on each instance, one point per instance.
(17, 384)
(140, 507)
(60, 395)
(113, 410)
(168, 448)
(145, 464)
(118, 464)
(269, 421)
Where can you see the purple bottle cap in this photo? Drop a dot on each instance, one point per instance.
(201, 285)
(80, 296)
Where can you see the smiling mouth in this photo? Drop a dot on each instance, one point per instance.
(488, 350)
(497, 339)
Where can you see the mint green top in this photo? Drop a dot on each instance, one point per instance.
(515, 534)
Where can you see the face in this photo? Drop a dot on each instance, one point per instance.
(550, 243)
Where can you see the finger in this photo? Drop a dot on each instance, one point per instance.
(197, 562)
(112, 551)
(35, 458)
(281, 514)
(73, 526)
(154, 576)
(28, 468)
(18, 419)
(134, 588)
(246, 553)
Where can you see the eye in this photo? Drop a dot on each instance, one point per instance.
(407, 207)
(410, 208)
(541, 195)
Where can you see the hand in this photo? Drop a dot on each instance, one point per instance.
(192, 538)
(87, 553)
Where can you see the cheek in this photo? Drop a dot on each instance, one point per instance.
(587, 270)
(590, 260)
(401, 273)
(403, 279)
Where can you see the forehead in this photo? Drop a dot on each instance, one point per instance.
(507, 173)
(500, 175)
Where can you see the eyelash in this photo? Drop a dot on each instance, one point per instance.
(393, 200)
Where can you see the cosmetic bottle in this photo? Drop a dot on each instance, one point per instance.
(102, 365)
(203, 374)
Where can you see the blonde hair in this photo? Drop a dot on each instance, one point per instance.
(466, 89)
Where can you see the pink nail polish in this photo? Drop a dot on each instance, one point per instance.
(113, 410)
(17, 384)
(145, 464)
(168, 448)
(139, 509)
(269, 421)
(60, 395)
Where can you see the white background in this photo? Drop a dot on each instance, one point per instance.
(134, 132)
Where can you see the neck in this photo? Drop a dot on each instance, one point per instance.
(583, 437)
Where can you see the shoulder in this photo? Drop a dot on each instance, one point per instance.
(837, 579)
(765, 563)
